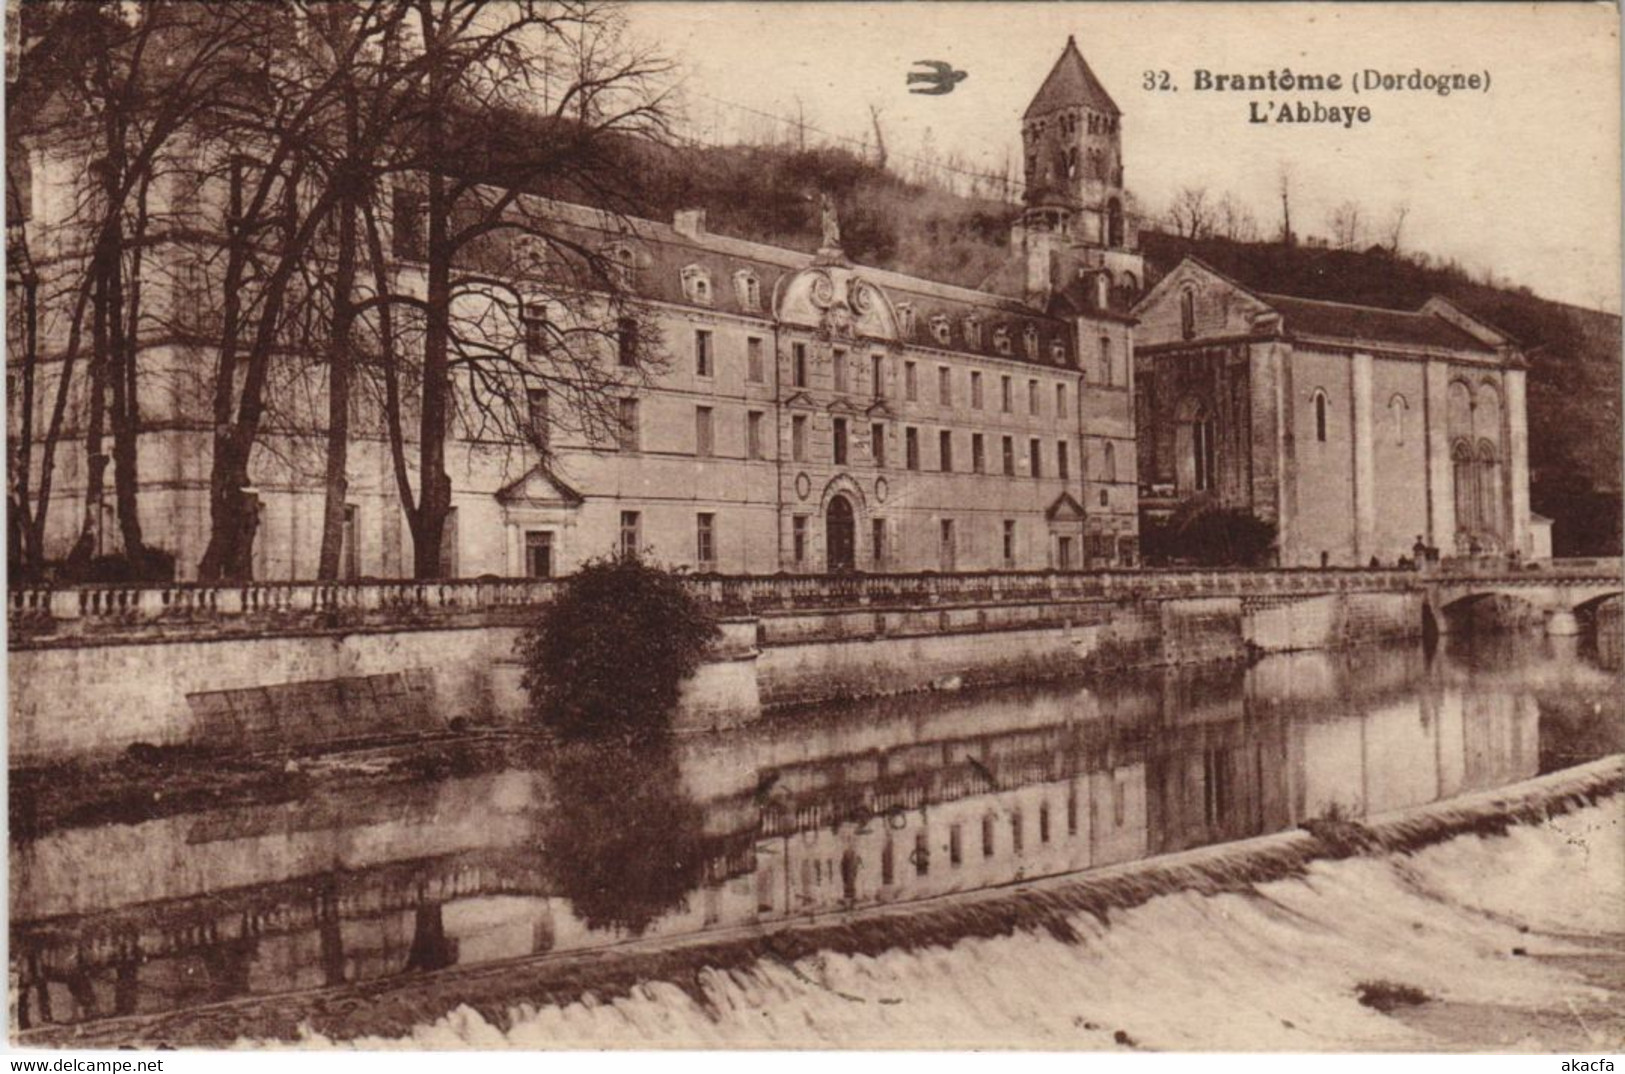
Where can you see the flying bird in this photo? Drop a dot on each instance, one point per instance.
(942, 78)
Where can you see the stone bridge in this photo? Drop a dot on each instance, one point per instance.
(1560, 596)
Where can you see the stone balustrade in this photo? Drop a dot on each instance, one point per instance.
(48, 612)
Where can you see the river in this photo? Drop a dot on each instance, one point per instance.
(622, 897)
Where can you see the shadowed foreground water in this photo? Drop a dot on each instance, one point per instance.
(818, 814)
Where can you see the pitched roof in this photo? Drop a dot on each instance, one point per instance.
(1313, 317)
(1071, 83)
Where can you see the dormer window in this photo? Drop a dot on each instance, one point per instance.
(622, 264)
(1029, 342)
(1001, 340)
(1057, 352)
(697, 285)
(748, 289)
(973, 332)
(940, 329)
(529, 255)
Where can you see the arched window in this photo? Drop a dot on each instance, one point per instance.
(1114, 223)
(1106, 360)
(1204, 450)
(1489, 490)
(1108, 465)
(1464, 476)
(1187, 313)
(1398, 409)
(1131, 288)
(1320, 416)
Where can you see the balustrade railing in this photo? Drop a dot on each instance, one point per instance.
(39, 609)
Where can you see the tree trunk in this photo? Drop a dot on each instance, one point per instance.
(339, 367)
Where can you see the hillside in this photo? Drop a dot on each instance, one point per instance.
(766, 193)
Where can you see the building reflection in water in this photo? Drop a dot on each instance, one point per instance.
(810, 814)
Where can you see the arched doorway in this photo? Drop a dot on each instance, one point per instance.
(840, 535)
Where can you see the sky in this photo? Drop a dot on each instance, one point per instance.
(1522, 181)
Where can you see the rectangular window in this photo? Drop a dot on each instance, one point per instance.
(911, 448)
(705, 539)
(976, 390)
(1009, 446)
(945, 386)
(629, 425)
(877, 376)
(888, 865)
(978, 454)
(539, 553)
(945, 451)
(1004, 394)
(1043, 822)
(838, 361)
(535, 333)
(753, 360)
(406, 215)
(1032, 397)
(1063, 461)
(536, 405)
(911, 382)
(1016, 839)
(798, 538)
(1035, 457)
(987, 836)
(956, 850)
(922, 854)
(840, 441)
(702, 353)
(1063, 553)
(631, 534)
(704, 432)
(1072, 814)
(877, 443)
(626, 342)
(1009, 543)
(798, 365)
(798, 438)
(1060, 400)
(448, 545)
(948, 552)
(351, 559)
(753, 435)
(878, 541)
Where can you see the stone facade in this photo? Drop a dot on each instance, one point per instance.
(808, 415)
(1355, 430)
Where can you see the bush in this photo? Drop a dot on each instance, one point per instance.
(1203, 533)
(609, 654)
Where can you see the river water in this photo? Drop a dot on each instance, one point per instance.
(478, 893)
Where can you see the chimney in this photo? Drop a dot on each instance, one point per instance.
(690, 223)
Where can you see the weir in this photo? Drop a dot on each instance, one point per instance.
(269, 666)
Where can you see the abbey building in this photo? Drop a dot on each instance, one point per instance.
(1359, 432)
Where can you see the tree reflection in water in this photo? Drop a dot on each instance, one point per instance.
(625, 841)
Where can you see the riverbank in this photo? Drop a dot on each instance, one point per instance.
(289, 666)
(694, 984)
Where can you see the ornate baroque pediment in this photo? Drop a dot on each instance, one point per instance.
(837, 302)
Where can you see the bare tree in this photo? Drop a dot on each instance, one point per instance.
(1234, 221)
(1347, 225)
(114, 86)
(1191, 214)
(514, 294)
(1396, 226)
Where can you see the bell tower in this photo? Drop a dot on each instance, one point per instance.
(1075, 233)
(1071, 137)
